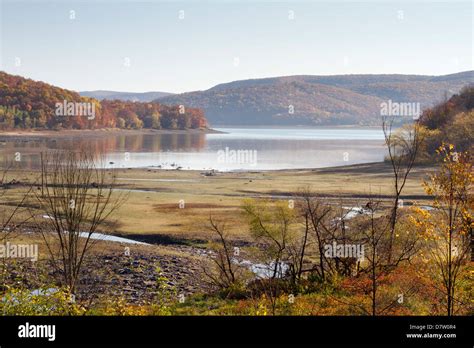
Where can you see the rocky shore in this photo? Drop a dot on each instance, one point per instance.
(135, 277)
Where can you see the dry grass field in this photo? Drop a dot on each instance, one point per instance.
(175, 205)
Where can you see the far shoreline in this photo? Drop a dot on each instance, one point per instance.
(32, 134)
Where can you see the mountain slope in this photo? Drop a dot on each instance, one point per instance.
(450, 122)
(317, 100)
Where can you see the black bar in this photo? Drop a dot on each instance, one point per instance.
(225, 331)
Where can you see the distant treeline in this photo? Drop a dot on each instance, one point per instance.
(28, 104)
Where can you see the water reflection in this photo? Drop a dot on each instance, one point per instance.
(237, 149)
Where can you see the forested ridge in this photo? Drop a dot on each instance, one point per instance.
(28, 104)
(450, 122)
(317, 100)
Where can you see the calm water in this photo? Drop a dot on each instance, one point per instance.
(237, 149)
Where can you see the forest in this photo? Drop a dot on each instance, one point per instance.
(451, 121)
(27, 104)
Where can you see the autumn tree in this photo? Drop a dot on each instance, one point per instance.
(272, 225)
(448, 230)
(152, 121)
(226, 273)
(77, 198)
(403, 147)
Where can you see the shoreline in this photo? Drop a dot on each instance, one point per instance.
(259, 171)
(323, 126)
(32, 134)
(380, 167)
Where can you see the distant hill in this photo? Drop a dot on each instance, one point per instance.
(317, 100)
(290, 100)
(125, 96)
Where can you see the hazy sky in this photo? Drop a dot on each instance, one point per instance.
(148, 46)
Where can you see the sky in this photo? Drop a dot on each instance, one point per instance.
(179, 46)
